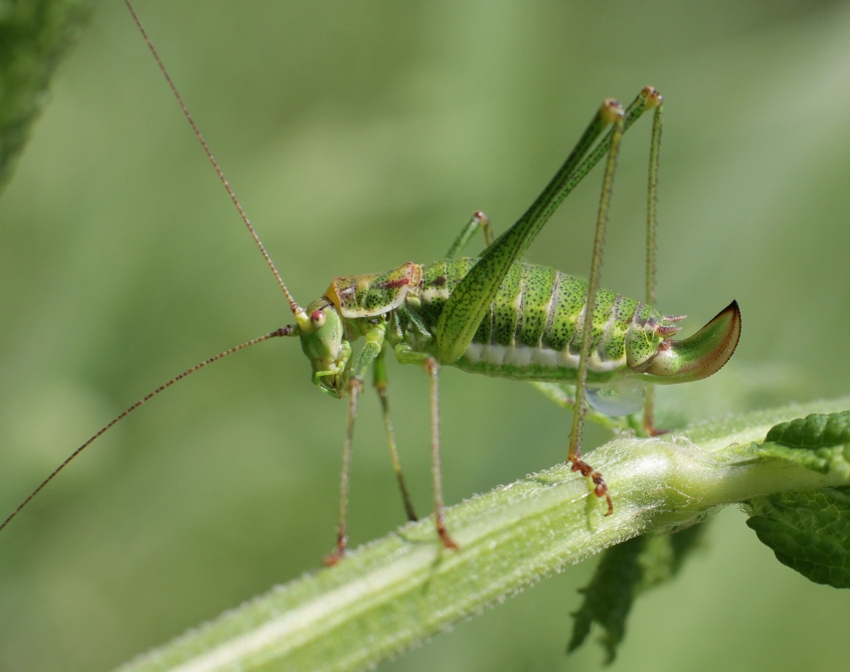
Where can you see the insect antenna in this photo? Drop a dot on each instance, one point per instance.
(289, 330)
(283, 331)
(293, 306)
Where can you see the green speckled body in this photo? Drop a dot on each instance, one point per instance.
(502, 317)
(532, 330)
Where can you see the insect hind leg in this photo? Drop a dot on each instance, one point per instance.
(657, 101)
(613, 111)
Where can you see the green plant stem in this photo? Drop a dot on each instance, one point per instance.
(402, 589)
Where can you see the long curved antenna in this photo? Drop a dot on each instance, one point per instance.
(293, 306)
(283, 331)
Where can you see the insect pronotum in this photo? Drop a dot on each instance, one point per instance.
(495, 315)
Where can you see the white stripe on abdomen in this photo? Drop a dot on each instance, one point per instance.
(523, 355)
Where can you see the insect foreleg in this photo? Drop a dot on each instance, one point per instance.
(380, 381)
(405, 355)
(354, 384)
(478, 221)
(574, 455)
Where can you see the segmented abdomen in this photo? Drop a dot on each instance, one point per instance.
(533, 328)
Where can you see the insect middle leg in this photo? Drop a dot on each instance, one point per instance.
(478, 221)
(372, 354)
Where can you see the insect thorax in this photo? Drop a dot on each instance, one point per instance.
(532, 330)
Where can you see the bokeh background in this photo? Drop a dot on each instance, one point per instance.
(359, 137)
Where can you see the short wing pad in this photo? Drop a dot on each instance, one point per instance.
(375, 293)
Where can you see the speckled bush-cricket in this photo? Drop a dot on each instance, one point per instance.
(502, 317)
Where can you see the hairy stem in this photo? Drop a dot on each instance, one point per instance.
(402, 589)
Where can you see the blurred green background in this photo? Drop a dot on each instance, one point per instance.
(360, 136)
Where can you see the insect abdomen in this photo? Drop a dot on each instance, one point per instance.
(532, 330)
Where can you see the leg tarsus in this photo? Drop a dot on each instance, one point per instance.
(600, 488)
(338, 553)
(651, 430)
(443, 533)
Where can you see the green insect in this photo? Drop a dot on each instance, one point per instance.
(499, 316)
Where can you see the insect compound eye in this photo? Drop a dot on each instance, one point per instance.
(317, 317)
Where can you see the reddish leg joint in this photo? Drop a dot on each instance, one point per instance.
(600, 487)
(448, 542)
(338, 553)
(650, 429)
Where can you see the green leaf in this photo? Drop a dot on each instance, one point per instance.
(609, 596)
(664, 556)
(34, 35)
(816, 430)
(624, 572)
(819, 441)
(809, 531)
